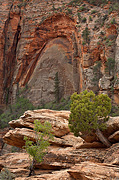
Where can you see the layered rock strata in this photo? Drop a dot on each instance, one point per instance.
(40, 38)
(68, 157)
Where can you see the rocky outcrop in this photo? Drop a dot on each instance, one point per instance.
(89, 170)
(24, 127)
(59, 121)
(63, 163)
(68, 157)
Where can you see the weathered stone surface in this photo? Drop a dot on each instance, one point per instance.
(40, 38)
(91, 145)
(112, 125)
(58, 120)
(105, 82)
(2, 133)
(57, 175)
(16, 138)
(112, 155)
(114, 137)
(57, 158)
(90, 171)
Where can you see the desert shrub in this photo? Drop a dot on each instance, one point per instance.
(89, 114)
(84, 20)
(114, 111)
(38, 149)
(86, 109)
(6, 175)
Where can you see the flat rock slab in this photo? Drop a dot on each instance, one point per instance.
(16, 138)
(58, 120)
(93, 171)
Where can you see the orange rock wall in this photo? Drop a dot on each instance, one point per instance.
(27, 28)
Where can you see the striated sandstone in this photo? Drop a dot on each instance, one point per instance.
(58, 120)
(112, 155)
(90, 171)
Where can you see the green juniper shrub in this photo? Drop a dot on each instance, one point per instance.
(89, 113)
(114, 111)
(84, 20)
(79, 16)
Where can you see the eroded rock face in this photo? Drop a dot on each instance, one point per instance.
(68, 157)
(58, 120)
(89, 170)
(40, 38)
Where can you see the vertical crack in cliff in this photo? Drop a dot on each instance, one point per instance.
(9, 55)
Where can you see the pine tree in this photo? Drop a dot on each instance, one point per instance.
(85, 35)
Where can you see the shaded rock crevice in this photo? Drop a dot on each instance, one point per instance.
(11, 36)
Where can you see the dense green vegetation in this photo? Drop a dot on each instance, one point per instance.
(86, 109)
(22, 104)
(15, 111)
(38, 149)
(89, 114)
(64, 104)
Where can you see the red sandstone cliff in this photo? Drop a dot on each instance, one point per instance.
(40, 38)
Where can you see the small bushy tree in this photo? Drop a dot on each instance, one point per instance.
(110, 65)
(38, 149)
(89, 113)
(6, 175)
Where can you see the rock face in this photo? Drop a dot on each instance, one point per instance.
(88, 170)
(59, 121)
(40, 38)
(68, 157)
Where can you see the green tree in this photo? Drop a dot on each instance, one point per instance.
(85, 35)
(56, 88)
(38, 149)
(89, 113)
(110, 65)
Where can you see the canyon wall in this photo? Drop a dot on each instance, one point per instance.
(38, 39)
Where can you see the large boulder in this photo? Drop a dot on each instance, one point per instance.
(58, 120)
(16, 138)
